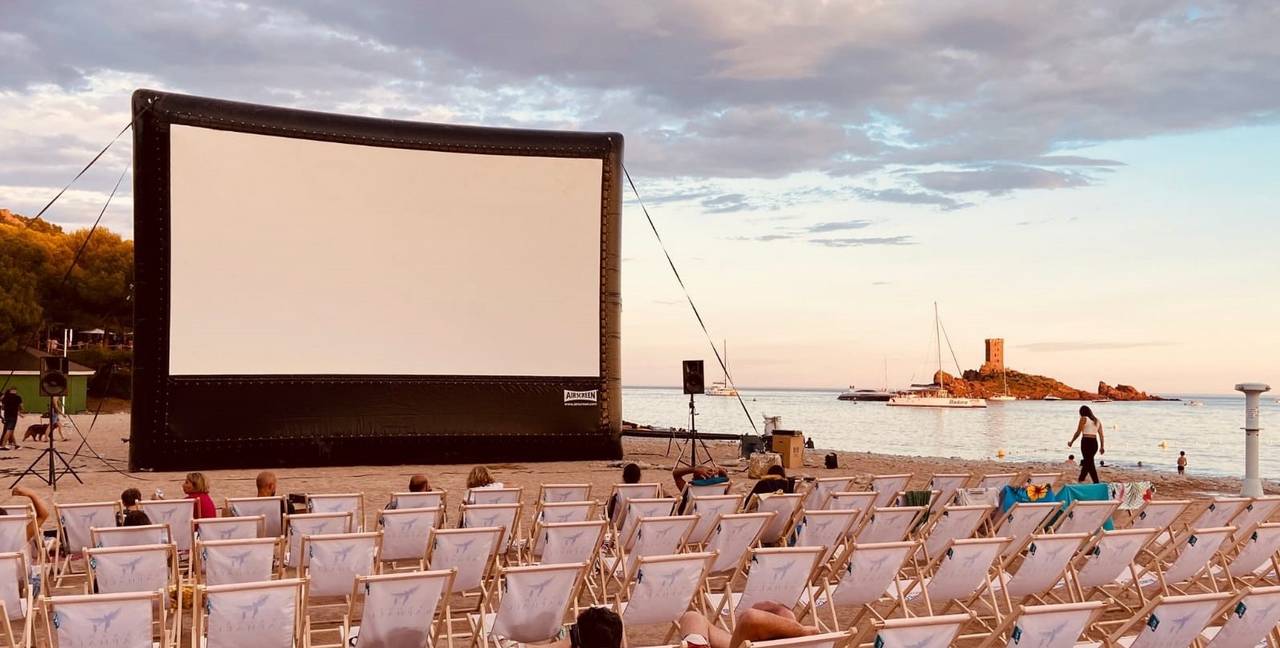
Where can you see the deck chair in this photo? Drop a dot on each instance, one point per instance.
(956, 578)
(947, 484)
(1108, 566)
(178, 514)
(785, 508)
(565, 542)
(825, 640)
(13, 539)
(778, 575)
(554, 493)
(862, 501)
(659, 589)
(142, 568)
(405, 532)
(1022, 520)
(1220, 512)
(1032, 575)
(860, 579)
(887, 488)
(652, 536)
(229, 528)
(331, 564)
(708, 509)
(114, 536)
(352, 503)
(399, 610)
(16, 598)
(816, 497)
(889, 524)
(270, 508)
(918, 632)
(624, 493)
(997, 480)
(493, 496)
(1051, 478)
(127, 620)
(425, 499)
(954, 523)
(1169, 621)
(1045, 626)
(638, 507)
(472, 555)
(1260, 510)
(1085, 516)
(250, 615)
(1250, 619)
(533, 606)
(732, 540)
(228, 562)
(301, 525)
(1193, 556)
(692, 490)
(74, 522)
(1254, 559)
(506, 516)
(827, 529)
(561, 512)
(1161, 515)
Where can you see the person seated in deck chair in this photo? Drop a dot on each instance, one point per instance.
(136, 517)
(702, 476)
(129, 502)
(630, 475)
(419, 484)
(596, 627)
(765, 621)
(774, 481)
(41, 509)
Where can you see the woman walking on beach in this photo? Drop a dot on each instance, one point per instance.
(1089, 431)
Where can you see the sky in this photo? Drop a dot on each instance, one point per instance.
(1094, 182)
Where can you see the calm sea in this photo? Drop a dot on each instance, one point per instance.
(1150, 432)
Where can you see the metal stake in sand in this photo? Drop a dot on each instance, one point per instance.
(1252, 486)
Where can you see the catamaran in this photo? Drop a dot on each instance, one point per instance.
(935, 395)
(722, 387)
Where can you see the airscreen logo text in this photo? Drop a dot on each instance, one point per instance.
(572, 398)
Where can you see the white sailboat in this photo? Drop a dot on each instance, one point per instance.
(722, 387)
(935, 395)
(1005, 397)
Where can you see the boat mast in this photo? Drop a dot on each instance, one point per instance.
(725, 343)
(937, 334)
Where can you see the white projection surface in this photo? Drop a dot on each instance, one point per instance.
(292, 256)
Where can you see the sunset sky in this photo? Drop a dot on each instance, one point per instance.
(1095, 182)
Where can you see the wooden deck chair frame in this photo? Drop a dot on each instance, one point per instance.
(715, 506)
(293, 518)
(824, 640)
(1050, 477)
(64, 567)
(1078, 509)
(504, 495)
(358, 515)
(98, 533)
(743, 573)
(696, 597)
(1007, 518)
(1013, 564)
(1171, 554)
(868, 519)
(624, 549)
(340, 601)
(1236, 608)
(511, 536)
(947, 485)
(1252, 578)
(978, 513)
(172, 594)
(26, 597)
(887, 487)
(259, 522)
(198, 559)
(1222, 509)
(280, 509)
(873, 630)
(727, 573)
(816, 495)
(829, 582)
(32, 549)
(993, 572)
(301, 626)
(1002, 635)
(479, 637)
(1259, 511)
(996, 480)
(1144, 616)
(442, 495)
(691, 490)
(359, 589)
(779, 528)
(863, 501)
(49, 604)
(664, 506)
(1113, 591)
(546, 492)
(844, 519)
(179, 533)
(596, 578)
(396, 564)
(1173, 510)
(621, 494)
(481, 593)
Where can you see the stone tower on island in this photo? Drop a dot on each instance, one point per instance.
(995, 356)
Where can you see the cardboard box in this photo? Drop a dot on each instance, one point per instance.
(789, 444)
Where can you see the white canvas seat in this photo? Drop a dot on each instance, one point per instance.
(661, 588)
(533, 607)
(888, 524)
(147, 534)
(1250, 619)
(785, 507)
(16, 598)
(1169, 622)
(1022, 520)
(396, 610)
(623, 493)
(961, 574)
(862, 502)
(1161, 515)
(645, 507)
(816, 497)
(561, 512)
(1047, 478)
(777, 575)
(1109, 564)
(1255, 557)
(1039, 569)
(1195, 555)
(352, 503)
(493, 496)
(708, 509)
(74, 522)
(271, 614)
(140, 568)
(506, 516)
(127, 620)
(1219, 512)
(692, 490)
(947, 484)
(405, 532)
(954, 523)
(827, 529)
(13, 539)
(228, 562)
(555, 493)
(733, 537)
(1085, 516)
(332, 563)
(824, 640)
(568, 542)
(424, 499)
(229, 528)
(178, 514)
(861, 578)
(1045, 626)
(471, 554)
(918, 632)
(301, 525)
(1256, 512)
(887, 487)
(653, 536)
(270, 508)
(996, 481)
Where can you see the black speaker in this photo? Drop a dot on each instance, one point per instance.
(693, 383)
(53, 376)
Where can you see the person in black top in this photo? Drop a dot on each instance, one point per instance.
(630, 475)
(774, 480)
(10, 407)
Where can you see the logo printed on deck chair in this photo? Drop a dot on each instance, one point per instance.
(588, 397)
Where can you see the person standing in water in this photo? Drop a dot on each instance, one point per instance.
(1089, 431)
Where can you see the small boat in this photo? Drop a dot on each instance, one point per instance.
(1002, 398)
(1194, 403)
(852, 394)
(1051, 397)
(1103, 400)
(722, 387)
(1006, 396)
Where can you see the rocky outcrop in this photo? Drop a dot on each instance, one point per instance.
(1124, 393)
(985, 384)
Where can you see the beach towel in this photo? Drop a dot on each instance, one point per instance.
(1086, 492)
(922, 498)
(1132, 495)
(1010, 495)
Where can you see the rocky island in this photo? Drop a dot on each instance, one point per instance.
(990, 380)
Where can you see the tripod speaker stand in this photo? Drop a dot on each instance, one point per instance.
(53, 383)
(693, 384)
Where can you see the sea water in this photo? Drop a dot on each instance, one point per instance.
(1152, 432)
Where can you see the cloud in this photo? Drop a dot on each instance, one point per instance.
(726, 203)
(1000, 179)
(1056, 347)
(860, 242)
(838, 226)
(881, 283)
(947, 203)
(763, 238)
